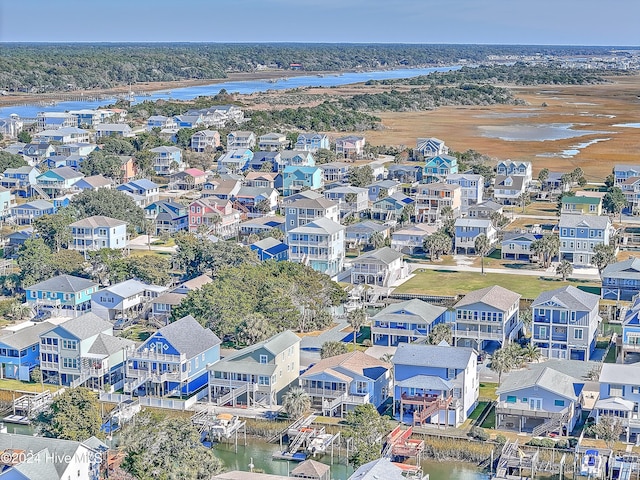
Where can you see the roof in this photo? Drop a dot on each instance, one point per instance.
(488, 204)
(311, 469)
(582, 199)
(322, 223)
(572, 220)
(356, 362)
(495, 296)
(320, 202)
(367, 225)
(66, 173)
(98, 221)
(25, 337)
(188, 336)
(473, 222)
(620, 374)
(517, 182)
(85, 326)
(267, 243)
(381, 469)
(143, 183)
(108, 345)
(570, 297)
(523, 237)
(438, 356)
(164, 149)
(426, 382)
(170, 298)
(546, 378)
(194, 172)
(131, 287)
(614, 403)
(37, 204)
(424, 310)
(629, 268)
(197, 282)
(417, 229)
(64, 284)
(385, 255)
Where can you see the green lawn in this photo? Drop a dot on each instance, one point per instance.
(488, 391)
(478, 410)
(441, 282)
(490, 421)
(17, 385)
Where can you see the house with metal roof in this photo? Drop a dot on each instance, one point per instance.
(127, 299)
(258, 374)
(565, 323)
(434, 384)
(406, 321)
(539, 399)
(579, 234)
(173, 361)
(26, 213)
(431, 147)
(436, 169)
(379, 469)
(620, 396)
(97, 232)
(337, 385)
(318, 244)
(62, 294)
(487, 318)
(20, 349)
(583, 205)
(468, 229)
(142, 187)
(270, 249)
(517, 246)
(381, 267)
(621, 280)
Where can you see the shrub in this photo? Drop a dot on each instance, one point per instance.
(366, 343)
(479, 434)
(501, 439)
(542, 442)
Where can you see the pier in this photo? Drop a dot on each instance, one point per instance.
(25, 406)
(400, 445)
(216, 427)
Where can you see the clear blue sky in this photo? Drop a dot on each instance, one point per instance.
(565, 22)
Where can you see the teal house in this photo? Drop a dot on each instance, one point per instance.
(296, 179)
(70, 294)
(436, 169)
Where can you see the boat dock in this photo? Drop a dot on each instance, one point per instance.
(305, 439)
(400, 445)
(25, 406)
(216, 427)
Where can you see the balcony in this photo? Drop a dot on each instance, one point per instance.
(48, 365)
(152, 355)
(49, 348)
(402, 332)
(631, 347)
(323, 392)
(144, 375)
(475, 334)
(523, 409)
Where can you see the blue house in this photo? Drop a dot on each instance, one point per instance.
(70, 294)
(437, 168)
(58, 181)
(20, 179)
(405, 173)
(629, 341)
(405, 322)
(167, 160)
(517, 246)
(270, 249)
(312, 142)
(173, 361)
(167, 216)
(20, 352)
(543, 398)
(296, 179)
(434, 384)
(468, 229)
(188, 121)
(145, 188)
(383, 188)
(26, 213)
(260, 159)
(623, 172)
(235, 161)
(565, 323)
(390, 208)
(295, 158)
(620, 396)
(621, 280)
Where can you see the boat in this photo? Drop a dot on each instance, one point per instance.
(591, 466)
(224, 425)
(320, 443)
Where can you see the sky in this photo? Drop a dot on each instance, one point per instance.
(540, 22)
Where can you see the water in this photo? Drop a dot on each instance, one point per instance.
(535, 133)
(245, 87)
(627, 125)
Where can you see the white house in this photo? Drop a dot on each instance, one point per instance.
(381, 267)
(125, 299)
(94, 233)
(319, 244)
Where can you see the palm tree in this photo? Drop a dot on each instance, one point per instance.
(20, 311)
(377, 240)
(481, 246)
(501, 363)
(296, 402)
(356, 318)
(440, 332)
(564, 269)
(532, 353)
(332, 349)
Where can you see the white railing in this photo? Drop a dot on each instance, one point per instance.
(152, 355)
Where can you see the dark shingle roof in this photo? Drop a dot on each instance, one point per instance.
(433, 356)
(189, 337)
(64, 283)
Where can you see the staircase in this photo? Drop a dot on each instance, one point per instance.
(549, 426)
(299, 439)
(40, 192)
(235, 393)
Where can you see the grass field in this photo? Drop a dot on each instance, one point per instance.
(441, 282)
(17, 385)
(488, 390)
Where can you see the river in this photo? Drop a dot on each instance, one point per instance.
(249, 86)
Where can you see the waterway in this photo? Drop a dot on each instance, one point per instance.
(245, 87)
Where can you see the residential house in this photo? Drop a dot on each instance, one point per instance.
(241, 140)
(167, 160)
(436, 169)
(19, 349)
(20, 179)
(167, 216)
(62, 294)
(258, 374)
(62, 135)
(542, 399)
(335, 172)
(15, 240)
(509, 189)
(411, 238)
(94, 182)
(437, 201)
(215, 214)
(26, 213)
(629, 340)
(219, 115)
(223, 188)
(337, 385)
(351, 146)
(162, 305)
(273, 142)
(80, 149)
(351, 200)
(312, 470)
(382, 268)
(405, 173)
(121, 130)
(257, 201)
(295, 158)
(487, 317)
(7, 202)
(189, 179)
(12, 126)
(631, 189)
(36, 153)
(161, 122)
(556, 183)
(517, 246)
(319, 244)
(468, 229)
(622, 172)
(55, 120)
(296, 179)
(565, 323)
(172, 361)
(304, 210)
(40, 458)
(312, 142)
(260, 179)
(205, 140)
(434, 384)
(270, 249)
(235, 161)
(57, 181)
(405, 322)
(89, 118)
(472, 186)
(381, 468)
(147, 189)
(621, 280)
(431, 147)
(581, 205)
(515, 168)
(620, 396)
(261, 225)
(129, 169)
(485, 209)
(391, 207)
(579, 234)
(382, 189)
(359, 234)
(189, 121)
(97, 232)
(264, 162)
(128, 299)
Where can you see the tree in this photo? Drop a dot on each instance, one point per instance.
(254, 329)
(481, 245)
(546, 248)
(35, 375)
(156, 447)
(72, 415)
(610, 181)
(20, 311)
(54, 229)
(332, 349)
(116, 146)
(150, 268)
(377, 240)
(296, 402)
(498, 220)
(543, 175)
(614, 201)
(109, 203)
(603, 255)
(366, 428)
(408, 212)
(68, 262)
(437, 244)
(324, 155)
(564, 268)
(608, 428)
(501, 362)
(10, 160)
(356, 318)
(361, 176)
(24, 137)
(524, 199)
(34, 260)
(99, 163)
(263, 206)
(440, 332)
(532, 353)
